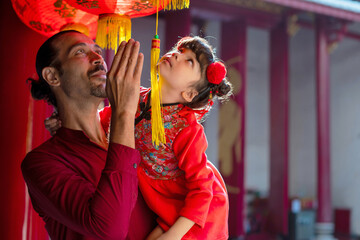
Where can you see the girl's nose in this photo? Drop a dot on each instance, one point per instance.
(175, 55)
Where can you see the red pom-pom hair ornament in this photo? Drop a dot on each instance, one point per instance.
(216, 72)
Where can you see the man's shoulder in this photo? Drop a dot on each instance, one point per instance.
(36, 158)
(48, 146)
(44, 152)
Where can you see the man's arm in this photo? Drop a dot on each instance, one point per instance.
(59, 192)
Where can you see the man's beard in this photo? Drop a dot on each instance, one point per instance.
(97, 90)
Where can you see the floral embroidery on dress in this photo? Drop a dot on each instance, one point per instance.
(159, 163)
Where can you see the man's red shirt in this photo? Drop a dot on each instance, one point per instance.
(83, 191)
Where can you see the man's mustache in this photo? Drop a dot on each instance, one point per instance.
(96, 69)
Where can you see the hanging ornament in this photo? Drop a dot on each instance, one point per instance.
(157, 123)
(172, 4)
(48, 17)
(114, 24)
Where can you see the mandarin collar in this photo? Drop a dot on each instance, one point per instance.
(72, 134)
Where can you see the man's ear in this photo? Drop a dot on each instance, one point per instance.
(189, 95)
(51, 77)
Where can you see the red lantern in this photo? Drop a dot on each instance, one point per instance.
(130, 8)
(114, 23)
(51, 16)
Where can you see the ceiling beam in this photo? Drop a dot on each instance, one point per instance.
(318, 9)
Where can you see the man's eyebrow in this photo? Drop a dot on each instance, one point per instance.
(75, 45)
(100, 48)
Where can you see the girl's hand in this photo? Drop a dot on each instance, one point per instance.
(155, 234)
(178, 230)
(169, 236)
(52, 123)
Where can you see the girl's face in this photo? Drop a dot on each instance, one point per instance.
(180, 71)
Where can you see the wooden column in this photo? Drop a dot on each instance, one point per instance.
(178, 24)
(232, 123)
(279, 125)
(324, 226)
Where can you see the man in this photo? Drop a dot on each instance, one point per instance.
(83, 186)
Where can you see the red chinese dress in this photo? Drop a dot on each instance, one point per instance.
(176, 179)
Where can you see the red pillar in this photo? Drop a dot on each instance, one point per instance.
(178, 24)
(232, 123)
(324, 227)
(279, 124)
(18, 45)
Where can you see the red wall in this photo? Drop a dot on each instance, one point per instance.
(18, 46)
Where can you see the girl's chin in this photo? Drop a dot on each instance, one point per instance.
(161, 72)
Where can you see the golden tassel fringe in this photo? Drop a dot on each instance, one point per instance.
(112, 30)
(157, 124)
(172, 4)
(76, 26)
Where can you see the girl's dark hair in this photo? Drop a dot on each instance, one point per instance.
(46, 57)
(205, 55)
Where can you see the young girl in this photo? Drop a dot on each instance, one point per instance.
(176, 180)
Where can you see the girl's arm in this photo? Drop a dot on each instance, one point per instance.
(155, 234)
(178, 230)
(189, 148)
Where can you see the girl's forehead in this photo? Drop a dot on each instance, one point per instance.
(186, 50)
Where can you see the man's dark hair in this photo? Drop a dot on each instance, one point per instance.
(46, 57)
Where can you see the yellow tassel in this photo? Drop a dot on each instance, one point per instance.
(157, 124)
(173, 4)
(76, 26)
(112, 30)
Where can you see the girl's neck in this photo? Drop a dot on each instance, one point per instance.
(169, 96)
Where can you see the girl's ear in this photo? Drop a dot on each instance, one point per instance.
(50, 76)
(189, 95)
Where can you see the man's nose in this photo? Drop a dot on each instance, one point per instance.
(96, 58)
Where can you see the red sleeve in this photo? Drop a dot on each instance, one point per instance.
(189, 148)
(101, 211)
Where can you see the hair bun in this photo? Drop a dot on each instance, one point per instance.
(216, 72)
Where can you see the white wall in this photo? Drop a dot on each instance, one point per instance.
(345, 126)
(257, 111)
(302, 109)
